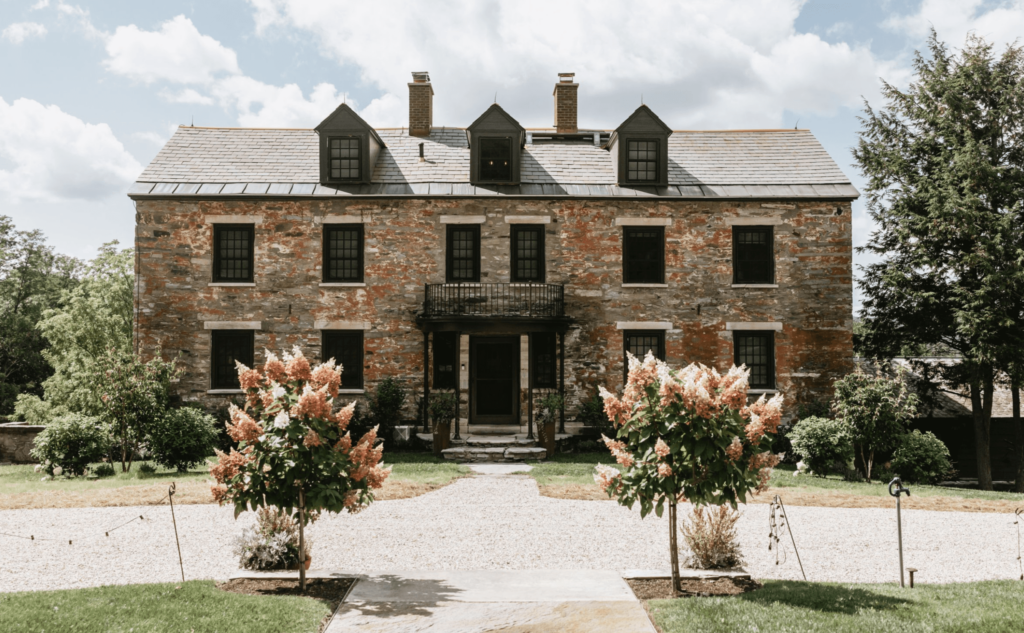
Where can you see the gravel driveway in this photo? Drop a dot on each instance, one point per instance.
(495, 522)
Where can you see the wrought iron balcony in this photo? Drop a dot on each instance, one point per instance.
(513, 300)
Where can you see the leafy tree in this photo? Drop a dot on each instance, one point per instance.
(32, 280)
(182, 438)
(687, 435)
(945, 166)
(294, 452)
(877, 410)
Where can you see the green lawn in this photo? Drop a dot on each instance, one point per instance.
(790, 606)
(197, 605)
(424, 468)
(782, 477)
(15, 479)
(570, 468)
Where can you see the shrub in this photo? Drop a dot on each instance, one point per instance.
(687, 434)
(822, 442)
(146, 470)
(103, 470)
(273, 543)
(71, 443)
(877, 409)
(711, 536)
(922, 458)
(182, 438)
(442, 408)
(385, 406)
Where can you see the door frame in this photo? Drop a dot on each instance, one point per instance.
(473, 418)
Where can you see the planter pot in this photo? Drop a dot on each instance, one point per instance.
(295, 567)
(546, 435)
(442, 437)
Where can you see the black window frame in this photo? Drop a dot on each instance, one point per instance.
(515, 258)
(445, 353)
(543, 360)
(656, 151)
(218, 255)
(450, 258)
(238, 345)
(482, 156)
(358, 139)
(659, 353)
(328, 259)
(330, 342)
(741, 258)
(630, 259)
(766, 335)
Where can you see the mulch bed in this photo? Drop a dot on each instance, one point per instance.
(330, 590)
(661, 588)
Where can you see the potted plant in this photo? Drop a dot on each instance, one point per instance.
(550, 405)
(442, 412)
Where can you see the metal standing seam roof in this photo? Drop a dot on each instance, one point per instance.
(285, 162)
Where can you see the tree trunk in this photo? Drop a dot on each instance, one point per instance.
(302, 541)
(981, 410)
(1018, 431)
(673, 544)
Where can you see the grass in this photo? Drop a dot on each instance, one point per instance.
(785, 606)
(197, 606)
(21, 487)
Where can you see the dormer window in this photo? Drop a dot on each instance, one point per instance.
(639, 150)
(642, 161)
(495, 160)
(345, 158)
(495, 145)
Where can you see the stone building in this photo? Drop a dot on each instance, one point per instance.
(500, 261)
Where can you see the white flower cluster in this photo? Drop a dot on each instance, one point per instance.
(281, 420)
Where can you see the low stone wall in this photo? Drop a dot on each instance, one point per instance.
(16, 442)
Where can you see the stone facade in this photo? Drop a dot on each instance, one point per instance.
(405, 249)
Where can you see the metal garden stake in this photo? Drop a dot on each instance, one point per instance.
(170, 497)
(898, 483)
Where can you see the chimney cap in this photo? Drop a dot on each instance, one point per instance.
(566, 77)
(421, 77)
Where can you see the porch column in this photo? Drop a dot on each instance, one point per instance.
(561, 380)
(426, 382)
(529, 391)
(458, 386)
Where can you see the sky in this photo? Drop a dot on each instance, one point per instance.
(90, 91)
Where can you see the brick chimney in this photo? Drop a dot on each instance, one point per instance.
(421, 104)
(565, 104)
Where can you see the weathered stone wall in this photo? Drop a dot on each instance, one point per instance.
(405, 249)
(17, 441)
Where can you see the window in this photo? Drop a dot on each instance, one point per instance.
(543, 360)
(227, 347)
(344, 157)
(753, 258)
(639, 342)
(346, 348)
(643, 254)
(232, 252)
(527, 253)
(446, 355)
(756, 350)
(463, 253)
(496, 160)
(642, 161)
(343, 253)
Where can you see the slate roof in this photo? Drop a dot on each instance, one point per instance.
(757, 163)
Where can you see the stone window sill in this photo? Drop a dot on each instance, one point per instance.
(225, 284)
(341, 284)
(755, 285)
(352, 392)
(645, 285)
(765, 391)
(225, 392)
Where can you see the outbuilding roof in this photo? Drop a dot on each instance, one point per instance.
(285, 162)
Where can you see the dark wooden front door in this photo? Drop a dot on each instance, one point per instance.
(494, 380)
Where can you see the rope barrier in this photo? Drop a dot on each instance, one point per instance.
(106, 533)
(775, 526)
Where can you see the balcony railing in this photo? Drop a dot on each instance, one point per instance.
(523, 300)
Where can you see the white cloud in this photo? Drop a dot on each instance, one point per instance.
(42, 4)
(186, 95)
(698, 63)
(279, 106)
(177, 53)
(954, 19)
(21, 31)
(151, 137)
(55, 156)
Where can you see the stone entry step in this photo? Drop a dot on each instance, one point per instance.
(485, 452)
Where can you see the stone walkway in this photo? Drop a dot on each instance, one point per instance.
(495, 522)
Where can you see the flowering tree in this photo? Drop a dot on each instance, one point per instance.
(294, 452)
(687, 435)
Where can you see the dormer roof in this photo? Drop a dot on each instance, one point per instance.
(643, 119)
(345, 119)
(495, 119)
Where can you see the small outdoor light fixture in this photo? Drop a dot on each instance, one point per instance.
(899, 489)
